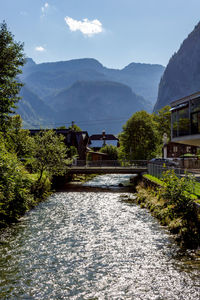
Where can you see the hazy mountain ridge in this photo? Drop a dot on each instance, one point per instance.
(99, 100)
(99, 89)
(32, 109)
(182, 74)
(142, 78)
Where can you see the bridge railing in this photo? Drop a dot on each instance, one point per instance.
(111, 163)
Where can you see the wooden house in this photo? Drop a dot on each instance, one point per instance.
(97, 141)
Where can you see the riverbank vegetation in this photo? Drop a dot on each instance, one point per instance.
(173, 204)
(26, 174)
(27, 163)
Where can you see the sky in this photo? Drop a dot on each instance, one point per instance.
(115, 32)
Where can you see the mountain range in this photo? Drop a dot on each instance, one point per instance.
(83, 90)
(182, 74)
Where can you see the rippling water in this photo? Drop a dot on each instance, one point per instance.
(91, 245)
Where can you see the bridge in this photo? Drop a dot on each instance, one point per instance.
(109, 167)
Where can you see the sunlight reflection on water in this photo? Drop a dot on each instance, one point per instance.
(90, 245)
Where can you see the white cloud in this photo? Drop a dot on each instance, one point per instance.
(87, 27)
(39, 49)
(44, 8)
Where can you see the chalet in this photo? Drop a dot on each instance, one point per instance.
(78, 139)
(97, 141)
(97, 156)
(176, 150)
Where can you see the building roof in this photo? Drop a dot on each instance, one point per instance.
(108, 137)
(171, 143)
(184, 99)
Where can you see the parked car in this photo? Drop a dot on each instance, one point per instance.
(166, 161)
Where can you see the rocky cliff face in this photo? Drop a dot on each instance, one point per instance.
(182, 74)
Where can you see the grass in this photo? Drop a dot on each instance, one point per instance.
(195, 194)
(154, 179)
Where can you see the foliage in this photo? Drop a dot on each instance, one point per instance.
(49, 154)
(15, 185)
(11, 60)
(62, 127)
(142, 136)
(180, 215)
(177, 191)
(75, 127)
(153, 179)
(139, 138)
(72, 152)
(163, 122)
(111, 151)
(19, 140)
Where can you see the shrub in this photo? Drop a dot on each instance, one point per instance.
(15, 185)
(178, 192)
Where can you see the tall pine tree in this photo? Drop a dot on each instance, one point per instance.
(11, 60)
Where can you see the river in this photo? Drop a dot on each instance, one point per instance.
(88, 244)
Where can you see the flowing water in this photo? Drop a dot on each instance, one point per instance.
(88, 244)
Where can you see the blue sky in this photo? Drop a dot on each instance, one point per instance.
(116, 32)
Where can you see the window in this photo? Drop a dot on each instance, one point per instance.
(195, 105)
(195, 123)
(188, 149)
(180, 122)
(174, 124)
(183, 121)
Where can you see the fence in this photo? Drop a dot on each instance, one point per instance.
(111, 163)
(157, 170)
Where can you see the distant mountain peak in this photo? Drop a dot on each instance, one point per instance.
(142, 67)
(30, 61)
(81, 63)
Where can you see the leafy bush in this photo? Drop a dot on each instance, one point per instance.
(111, 151)
(178, 191)
(15, 186)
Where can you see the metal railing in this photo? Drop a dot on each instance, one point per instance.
(158, 170)
(111, 163)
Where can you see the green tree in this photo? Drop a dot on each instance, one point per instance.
(15, 186)
(163, 122)
(50, 154)
(139, 138)
(75, 127)
(72, 152)
(11, 61)
(111, 151)
(18, 139)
